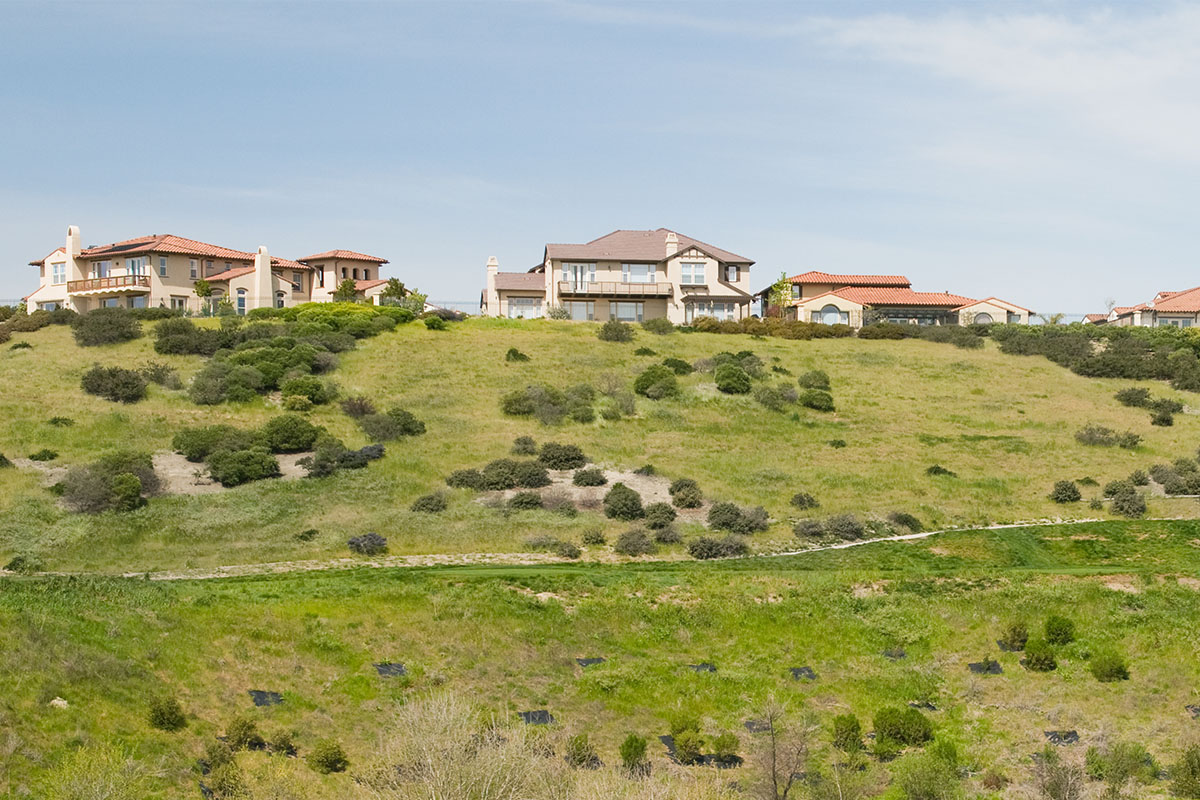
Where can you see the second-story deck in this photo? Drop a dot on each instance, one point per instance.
(613, 289)
(111, 283)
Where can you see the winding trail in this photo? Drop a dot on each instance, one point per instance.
(515, 559)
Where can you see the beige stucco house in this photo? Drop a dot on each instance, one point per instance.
(627, 275)
(1167, 309)
(162, 271)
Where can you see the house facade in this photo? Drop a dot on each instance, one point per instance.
(162, 271)
(626, 275)
(858, 300)
(1167, 309)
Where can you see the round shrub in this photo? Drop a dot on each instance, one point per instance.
(166, 714)
(633, 754)
(313, 388)
(659, 325)
(289, 433)
(242, 734)
(678, 366)
(847, 733)
(659, 516)
(905, 726)
(358, 406)
(816, 399)
(105, 326)
(524, 446)
(515, 355)
(45, 454)
(1015, 635)
(902, 519)
(1163, 419)
(522, 501)
(729, 517)
(561, 456)
(1039, 656)
(126, 492)
(706, 547)
(434, 503)
(592, 476)
(466, 479)
(235, 467)
(846, 527)
(114, 383)
(530, 475)
(668, 535)
(435, 323)
(567, 550)
(656, 382)
(689, 746)
(195, 444)
(226, 781)
(500, 474)
(1065, 492)
(327, 755)
(732, 379)
(1139, 477)
(594, 537)
(1059, 630)
(634, 542)
(1130, 504)
(1114, 488)
(804, 500)
(368, 544)
(621, 502)
(814, 379)
(298, 403)
(685, 493)
(808, 529)
(390, 426)
(615, 331)
(1108, 666)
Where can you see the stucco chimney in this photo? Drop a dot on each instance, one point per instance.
(672, 243)
(264, 284)
(73, 248)
(493, 297)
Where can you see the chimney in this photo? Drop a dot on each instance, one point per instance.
(493, 297)
(264, 284)
(73, 248)
(672, 244)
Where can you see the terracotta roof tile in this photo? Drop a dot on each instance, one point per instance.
(1185, 302)
(1095, 317)
(52, 253)
(887, 296)
(345, 255)
(851, 280)
(520, 280)
(997, 301)
(221, 277)
(167, 243)
(362, 286)
(622, 245)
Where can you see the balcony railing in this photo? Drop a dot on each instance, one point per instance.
(111, 282)
(613, 288)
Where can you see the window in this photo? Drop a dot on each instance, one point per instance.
(179, 303)
(241, 301)
(162, 266)
(136, 266)
(626, 312)
(731, 273)
(208, 267)
(110, 302)
(637, 273)
(354, 273)
(228, 265)
(795, 291)
(279, 297)
(524, 307)
(579, 274)
(49, 306)
(100, 269)
(982, 318)
(298, 279)
(58, 272)
(832, 315)
(343, 273)
(581, 310)
(708, 308)
(137, 301)
(193, 268)
(693, 274)
(321, 279)
(1014, 319)
(366, 274)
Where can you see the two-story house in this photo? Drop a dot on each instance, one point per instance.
(626, 275)
(163, 270)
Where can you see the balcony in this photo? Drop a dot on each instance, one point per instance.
(113, 283)
(612, 289)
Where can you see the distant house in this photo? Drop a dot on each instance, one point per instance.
(1167, 309)
(161, 271)
(858, 300)
(628, 275)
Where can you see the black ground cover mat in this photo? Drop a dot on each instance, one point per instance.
(990, 667)
(262, 699)
(704, 667)
(1061, 737)
(589, 662)
(540, 717)
(803, 673)
(389, 669)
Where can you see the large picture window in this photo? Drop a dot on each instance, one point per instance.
(693, 274)
(637, 273)
(708, 308)
(524, 307)
(627, 312)
(581, 310)
(832, 315)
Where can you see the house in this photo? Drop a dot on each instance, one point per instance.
(628, 275)
(858, 300)
(1168, 308)
(162, 270)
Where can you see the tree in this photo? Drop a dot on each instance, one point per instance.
(1056, 779)
(779, 295)
(202, 288)
(394, 290)
(782, 749)
(1052, 319)
(346, 291)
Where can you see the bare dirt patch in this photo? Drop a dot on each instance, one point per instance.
(1122, 583)
(50, 473)
(180, 476)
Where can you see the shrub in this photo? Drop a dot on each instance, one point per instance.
(905, 726)
(580, 753)
(1166, 405)
(633, 754)
(775, 398)
(814, 379)
(105, 326)
(1185, 774)
(166, 714)
(592, 476)
(530, 475)
(522, 501)
(114, 383)
(816, 399)
(435, 323)
(846, 527)
(524, 446)
(126, 492)
(729, 546)
(685, 493)
(297, 403)
(1059, 630)
(645, 469)
(847, 733)
(327, 755)
(659, 325)
(938, 469)
(368, 544)
(1039, 656)
(227, 781)
(725, 746)
(634, 542)
(45, 454)
(594, 537)
(732, 379)
(430, 503)
(1162, 419)
(656, 382)
(1014, 635)
(514, 354)
(217, 754)
(358, 406)
(561, 456)
(281, 742)
(615, 331)
(500, 474)
(659, 516)
(242, 734)
(728, 517)
(395, 424)
(161, 374)
(1139, 477)
(1108, 666)
(1130, 504)
(567, 550)
(1100, 436)
(808, 529)
(678, 366)
(466, 479)
(1136, 397)
(235, 467)
(804, 500)
(317, 391)
(60, 422)
(667, 535)
(5, 462)
(1065, 492)
(927, 777)
(195, 444)
(289, 433)
(621, 502)
(689, 746)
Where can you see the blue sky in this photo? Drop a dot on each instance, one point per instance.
(1047, 152)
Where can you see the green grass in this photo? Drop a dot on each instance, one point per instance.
(1004, 424)
(506, 637)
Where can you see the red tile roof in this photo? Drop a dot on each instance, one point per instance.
(167, 243)
(851, 280)
(885, 296)
(287, 263)
(996, 300)
(345, 255)
(622, 245)
(220, 277)
(520, 280)
(1185, 302)
(55, 251)
(1095, 317)
(362, 286)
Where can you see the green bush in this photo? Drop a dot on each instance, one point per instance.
(435, 323)
(317, 391)
(615, 331)
(235, 467)
(105, 326)
(466, 479)
(847, 733)
(1108, 666)
(1039, 656)
(814, 379)
(939, 470)
(685, 493)
(621, 502)
(808, 529)
(659, 515)
(1163, 419)
(126, 490)
(289, 433)
(166, 714)
(816, 399)
(1100, 436)
(561, 456)
(195, 444)
(114, 383)
(592, 476)
(515, 355)
(905, 726)
(298, 404)
(594, 537)
(327, 755)
(522, 501)
(434, 503)
(45, 454)
(729, 517)
(634, 542)
(689, 746)
(1014, 635)
(725, 746)
(1185, 773)
(656, 382)
(1059, 630)
(659, 325)
(524, 446)
(530, 475)
(845, 527)
(242, 734)
(281, 742)
(1130, 504)
(1139, 477)
(5, 462)
(678, 366)
(707, 547)
(804, 500)
(1065, 492)
(368, 544)
(358, 406)
(902, 519)
(395, 424)
(580, 753)
(926, 777)
(1137, 397)
(500, 474)
(633, 754)
(732, 379)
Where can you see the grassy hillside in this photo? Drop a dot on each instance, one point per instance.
(507, 638)
(1004, 424)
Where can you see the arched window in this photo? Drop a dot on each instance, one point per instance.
(831, 314)
(366, 274)
(279, 297)
(355, 271)
(241, 301)
(983, 318)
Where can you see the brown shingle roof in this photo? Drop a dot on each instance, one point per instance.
(520, 280)
(887, 296)
(345, 255)
(621, 245)
(814, 276)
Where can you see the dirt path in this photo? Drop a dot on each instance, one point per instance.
(514, 559)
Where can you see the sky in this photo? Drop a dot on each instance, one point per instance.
(1044, 152)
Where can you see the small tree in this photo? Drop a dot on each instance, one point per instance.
(1056, 779)
(779, 295)
(633, 754)
(346, 291)
(783, 750)
(394, 290)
